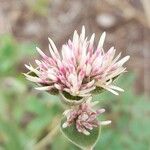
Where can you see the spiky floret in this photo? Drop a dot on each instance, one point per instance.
(79, 67)
(84, 117)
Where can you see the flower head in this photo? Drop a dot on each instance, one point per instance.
(78, 68)
(84, 117)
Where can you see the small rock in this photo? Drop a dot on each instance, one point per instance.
(106, 20)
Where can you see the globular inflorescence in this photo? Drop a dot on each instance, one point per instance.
(75, 71)
(84, 117)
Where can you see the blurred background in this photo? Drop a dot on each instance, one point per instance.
(27, 116)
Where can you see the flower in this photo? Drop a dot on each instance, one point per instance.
(78, 68)
(84, 117)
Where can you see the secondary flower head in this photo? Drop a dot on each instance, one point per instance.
(84, 117)
(78, 68)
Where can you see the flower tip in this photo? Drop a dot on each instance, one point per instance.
(104, 33)
(103, 36)
(101, 40)
(122, 90)
(109, 122)
(128, 57)
(82, 35)
(66, 111)
(75, 32)
(27, 66)
(43, 88)
(24, 74)
(64, 125)
(83, 27)
(37, 48)
(106, 122)
(86, 132)
(102, 110)
(50, 40)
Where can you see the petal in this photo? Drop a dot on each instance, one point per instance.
(32, 69)
(33, 79)
(101, 41)
(65, 125)
(100, 111)
(41, 53)
(116, 88)
(105, 122)
(122, 61)
(92, 40)
(44, 88)
(54, 47)
(75, 38)
(82, 35)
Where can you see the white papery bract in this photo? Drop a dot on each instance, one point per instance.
(84, 117)
(79, 67)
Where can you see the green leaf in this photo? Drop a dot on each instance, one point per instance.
(71, 97)
(12, 134)
(81, 140)
(68, 99)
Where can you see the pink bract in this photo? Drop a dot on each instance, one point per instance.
(79, 67)
(84, 117)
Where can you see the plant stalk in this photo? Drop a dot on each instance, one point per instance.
(88, 148)
(47, 139)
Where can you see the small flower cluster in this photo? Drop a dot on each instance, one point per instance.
(84, 117)
(79, 68)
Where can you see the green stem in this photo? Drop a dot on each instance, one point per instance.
(47, 139)
(88, 149)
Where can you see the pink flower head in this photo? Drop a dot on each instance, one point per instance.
(84, 117)
(78, 68)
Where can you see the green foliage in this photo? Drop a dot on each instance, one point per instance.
(81, 140)
(14, 141)
(7, 51)
(12, 53)
(130, 123)
(27, 116)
